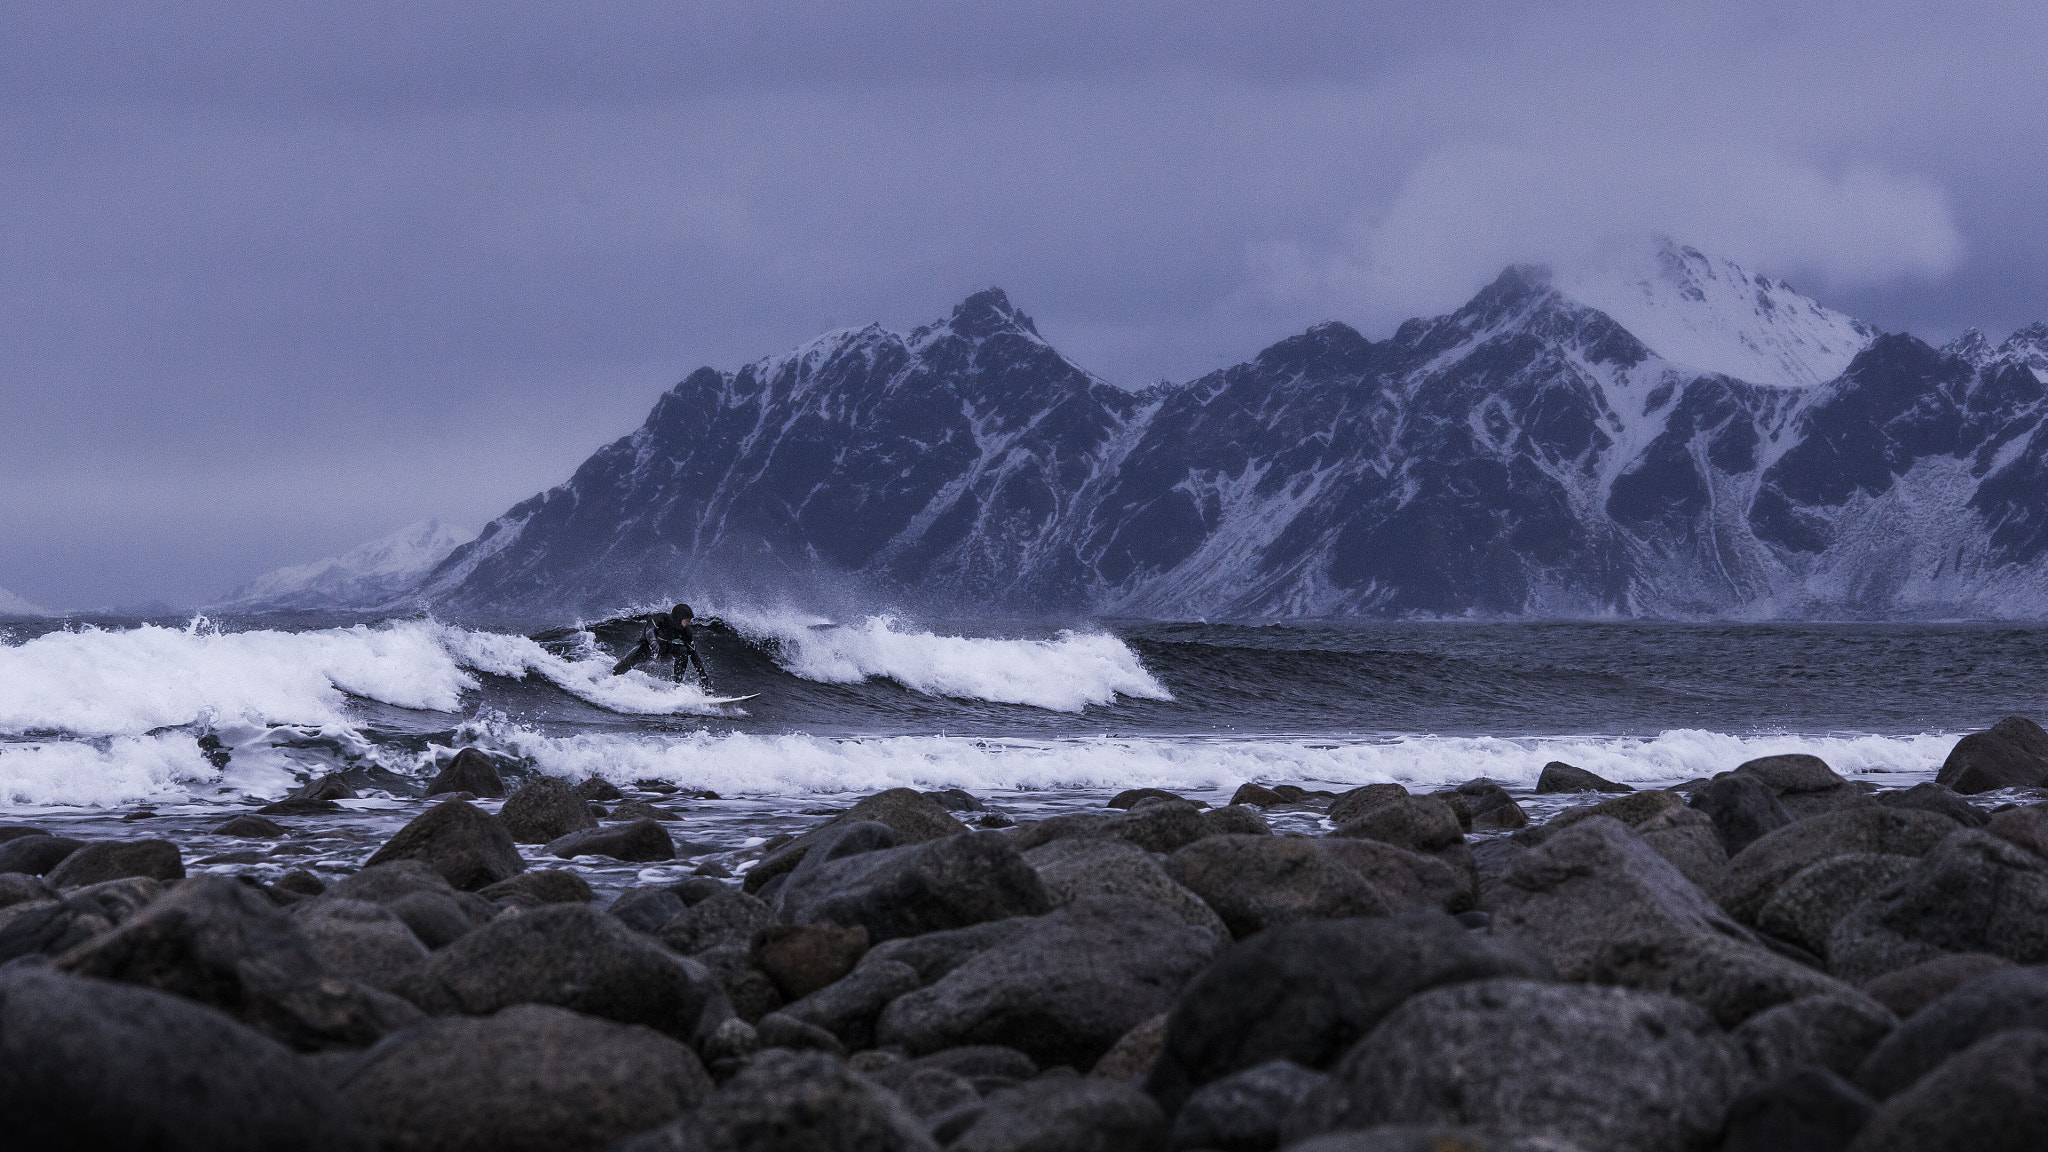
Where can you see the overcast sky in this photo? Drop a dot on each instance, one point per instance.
(279, 278)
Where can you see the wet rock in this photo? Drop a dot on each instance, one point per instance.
(2024, 827)
(1252, 796)
(1805, 909)
(930, 1091)
(727, 920)
(752, 993)
(544, 809)
(638, 842)
(647, 909)
(1242, 1112)
(1606, 1068)
(1991, 1097)
(93, 1064)
(1908, 990)
(1418, 823)
(17, 831)
(119, 899)
(1134, 1053)
(1803, 784)
(1255, 882)
(1558, 776)
(1972, 893)
(849, 1006)
(597, 789)
(792, 1102)
(1743, 808)
(1937, 798)
(959, 800)
(1039, 832)
(1732, 979)
(333, 786)
(1690, 841)
(544, 886)
(49, 927)
(528, 1078)
(936, 953)
(1808, 1110)
(635, 810)
(20, 888)
(467, 846)
(2004, 1000)
(1158, 825)
(1408, 880)
(1130, 796)
(1063, 992)
(1072, 1115)
(217, 941)
(1359, 801)
(1307, 992)
(249, 826)
(1492, 808)
(1073, 868)
(470, 771)
(106, 860)
(571, 956)
(1236, 820)
(365, 942)
(416, 894)
(1836, 1032)
(694, 890)
(296, 806)
(912, 819)
(1634, 809)
(1755, 874)
(914, 889)
(2012, 753)
(804, 958)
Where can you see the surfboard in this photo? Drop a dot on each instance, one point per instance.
(730, 699)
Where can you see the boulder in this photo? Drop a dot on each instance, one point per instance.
(961, 800)
(728, 920)
(1833, 1031)
(2012, 753)
(1307, 992)
(1134, 1053)
(637, 842)
(1690, 841)
(1129, 797)
(1634, 809)
(2025, 827)
(418, 895)
(1609, 1069)
(575, 957)
(1908, 990)
(1034, 833)
(849, 1006)
(778, 1030)
(365, 942)
(92, 1064)
(1732, 979)
(1236, 820)
(934, 954)
(1805, 908)
(1255, 882)
(1408, 880)
(1242, 1112)
(752, 994)
(1742, 808)
(1804, 784)
(1062, 993)
(545, 808)
(20, 888)
(1431, 1138)
(1990, 1097)
(803, 958)
(1158, 825)
(792, 1102)
(1937, 798)
(636, 810)
(1065, 1115)
(1251, 795)
(1558, 776)
(105, 860)
(2001, 1001)
(466, 845)
(647, 909)
(1973, 893)
(333, 786)
(531, 1077)
(49, 926)
(470, 771)
(913, 889)
(1077, 867)
(976, 1062)
(546, 886)
(1755, 874)
(217, 941)
(912, 819)
(296, 806)
(1417, 823)
(598, 790)
(1359, 801)
(249, 826)
(1808, 1110)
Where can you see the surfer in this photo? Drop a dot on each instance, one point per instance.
(669, 636)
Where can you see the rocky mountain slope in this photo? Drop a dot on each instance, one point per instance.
(1731, 448)
(383, 574)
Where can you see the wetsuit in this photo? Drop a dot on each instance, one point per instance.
(675, 642)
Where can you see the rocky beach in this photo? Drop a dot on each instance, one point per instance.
(1776, 956)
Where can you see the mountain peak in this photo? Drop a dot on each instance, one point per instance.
(987, 312)
(1973, 346)
(2029, 346)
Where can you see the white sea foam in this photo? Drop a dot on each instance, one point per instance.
(1065, 674)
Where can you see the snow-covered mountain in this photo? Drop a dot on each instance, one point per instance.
(12, 605)
(1702, 442)
(383, 574)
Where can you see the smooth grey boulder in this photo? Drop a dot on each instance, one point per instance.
(849, 1006)
(93, 1064)
(1236, 820)
(1990, 1097)
(1755, 873)
(218, 941)
(1256, 882)
(1067, 1115)
(332, 786)
(1803, 784)
(2012, 753)
(36, 854)
(575, 957)
(1357, 802)
(1908, 990)
(1743, 808)
(49, 926)
(2025, 827)
(415, 893)
(365, 942)
(982, 1062)
(803, 958)
(930, 1091)
(2003, 1000)
(598, 790)
(545, 808)
(1973, 893)
(1558, 776)
(469, 771)
(1409, 881)
(912, 818)
(1730, 978)
(104, 860)
(22, 887)
(1807, 1110)
(1077, 867)
(936, 953)
(463, 843)
(786, 1101)
(531, 1078)
(1417, 823)
(913, 889)
(1307, 992)
(1928, 796)
(727, 920)
(1158, 825)
(543, 886)
(1609, 1069)
(1690, 841)
(1831, 1031)
(647, 909)
(1064, 991)
(752, 994)
(249, 826)
(1633, 809)
(1805, 908)
(641, 841)
(1243, 1111)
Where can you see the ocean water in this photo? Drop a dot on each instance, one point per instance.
(101, 721)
